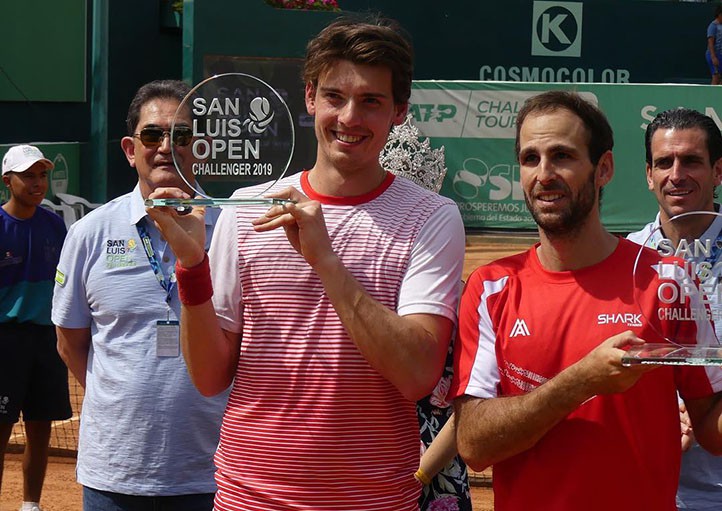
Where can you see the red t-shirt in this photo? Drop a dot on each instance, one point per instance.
(520, 325)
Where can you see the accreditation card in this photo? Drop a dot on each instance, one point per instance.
(167, 338)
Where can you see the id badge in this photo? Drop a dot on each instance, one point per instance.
(167, 339)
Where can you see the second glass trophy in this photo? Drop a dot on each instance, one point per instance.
(688, 270)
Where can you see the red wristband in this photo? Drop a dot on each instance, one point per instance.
(194, 284)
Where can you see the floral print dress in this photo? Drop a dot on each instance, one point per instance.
(449, 489)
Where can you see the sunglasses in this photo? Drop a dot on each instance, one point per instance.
(153, 137)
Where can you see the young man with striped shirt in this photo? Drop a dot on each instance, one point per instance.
(330, 315)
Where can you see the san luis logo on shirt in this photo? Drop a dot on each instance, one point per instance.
(120, 253)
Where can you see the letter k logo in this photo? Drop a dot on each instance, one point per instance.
(550, 25)
(556, 29)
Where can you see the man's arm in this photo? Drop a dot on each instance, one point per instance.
(706, 417)
(211, 353)
(491, 430)
(408, 351)
(73, 347)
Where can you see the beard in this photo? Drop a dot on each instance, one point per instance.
(566, 223)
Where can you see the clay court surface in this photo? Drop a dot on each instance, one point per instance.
(62, 493)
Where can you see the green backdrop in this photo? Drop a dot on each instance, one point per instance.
(475, 122)
(43, 50)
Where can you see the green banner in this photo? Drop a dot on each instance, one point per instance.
(476, 123)
(65, 176)
(43, 50)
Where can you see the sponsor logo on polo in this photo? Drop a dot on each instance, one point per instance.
(119, 253)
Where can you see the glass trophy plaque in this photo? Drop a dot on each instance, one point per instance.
(670, 354)
(685, 276)
(231, 131)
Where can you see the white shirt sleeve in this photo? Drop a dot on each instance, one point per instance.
(223, 256)
(432, 283)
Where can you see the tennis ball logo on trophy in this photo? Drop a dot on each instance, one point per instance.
(261, 116)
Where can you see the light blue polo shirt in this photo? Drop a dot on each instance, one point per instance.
(144, 429)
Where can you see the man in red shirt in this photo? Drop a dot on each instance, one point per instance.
(541, 393)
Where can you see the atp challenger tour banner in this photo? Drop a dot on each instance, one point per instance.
(476, 123)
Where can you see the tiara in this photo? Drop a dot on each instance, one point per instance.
(405, 155)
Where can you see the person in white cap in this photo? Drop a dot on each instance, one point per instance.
(33, 378)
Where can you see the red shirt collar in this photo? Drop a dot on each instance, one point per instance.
(345, 201)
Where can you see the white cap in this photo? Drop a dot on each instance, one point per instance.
(20, 158)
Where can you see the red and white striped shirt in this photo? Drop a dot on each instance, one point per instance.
(310, 425)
